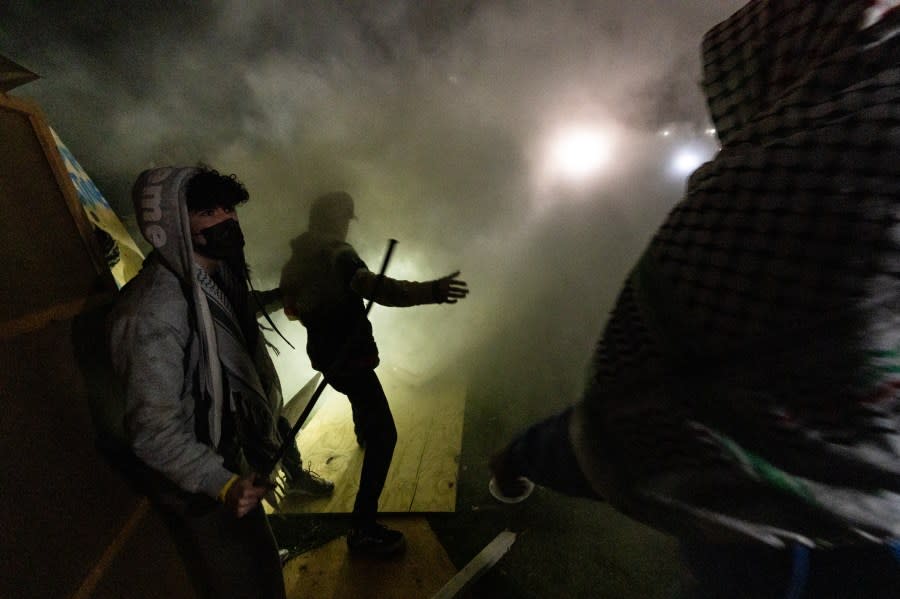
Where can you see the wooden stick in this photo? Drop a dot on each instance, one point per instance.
(479, 564)
(89, 584)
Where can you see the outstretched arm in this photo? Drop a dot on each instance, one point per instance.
(397, 293)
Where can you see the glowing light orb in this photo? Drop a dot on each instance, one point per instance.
(577, 153)
(686, 160)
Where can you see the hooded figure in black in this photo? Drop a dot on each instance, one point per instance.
(324, 284)
(745, 393)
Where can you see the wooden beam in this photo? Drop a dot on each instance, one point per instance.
(89, 584)
(60, 311)
(480, 564)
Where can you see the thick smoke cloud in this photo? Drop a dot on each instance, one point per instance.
(435, 116)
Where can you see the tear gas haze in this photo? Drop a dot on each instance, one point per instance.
(515, 141)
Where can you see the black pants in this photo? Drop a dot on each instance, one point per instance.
(375, 424)
(225, 556)
(291, 461)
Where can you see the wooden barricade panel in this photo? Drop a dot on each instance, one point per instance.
(46, 263)
(73, 526)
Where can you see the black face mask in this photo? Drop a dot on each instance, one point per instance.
(224, 240)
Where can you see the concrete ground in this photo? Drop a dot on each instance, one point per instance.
(566, 547)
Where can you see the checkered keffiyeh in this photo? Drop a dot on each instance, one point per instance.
(748, 380)
(255, 390)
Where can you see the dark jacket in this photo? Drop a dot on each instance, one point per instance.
(324, 284)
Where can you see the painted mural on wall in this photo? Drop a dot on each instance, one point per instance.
(122, 254)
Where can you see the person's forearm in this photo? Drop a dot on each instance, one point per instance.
(149, 360)
(392, 292)
(176, 453)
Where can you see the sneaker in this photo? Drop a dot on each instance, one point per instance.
(307, 482)
(376, 540)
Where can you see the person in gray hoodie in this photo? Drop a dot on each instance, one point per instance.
(202, 398)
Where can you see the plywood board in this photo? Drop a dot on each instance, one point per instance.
(329, 572)
(50, 257)
(423, 474)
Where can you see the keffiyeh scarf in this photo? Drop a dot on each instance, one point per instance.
(253, 387)
(748, 381)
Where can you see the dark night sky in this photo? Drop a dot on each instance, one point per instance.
(439, 117)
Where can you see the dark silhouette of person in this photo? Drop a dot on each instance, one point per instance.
(324, 284)
(744, 395)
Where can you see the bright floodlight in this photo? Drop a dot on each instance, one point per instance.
(577, 153)
(686, 161)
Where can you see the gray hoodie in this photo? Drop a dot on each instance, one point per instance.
(166, 353)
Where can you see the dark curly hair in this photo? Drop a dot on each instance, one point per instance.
(210, 189)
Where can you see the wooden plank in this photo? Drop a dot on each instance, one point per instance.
(479, 564)
(424, 468)
(88, 522)
(436, 481)
(412, 416)
(51, 257)
(61, 311)
(329, 572)
(48, 144)
(44, 137)
(98, 571)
